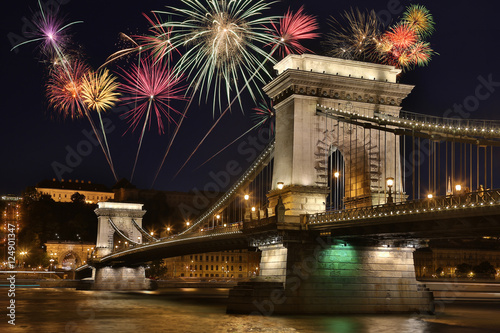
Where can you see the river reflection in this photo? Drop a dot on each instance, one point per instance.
(203, 310)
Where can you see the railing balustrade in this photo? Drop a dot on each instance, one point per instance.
(427, 205)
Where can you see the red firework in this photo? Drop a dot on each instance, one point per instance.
(151, 86)
(292, 29)
(64, 88)
(159, 43)
(401, 36)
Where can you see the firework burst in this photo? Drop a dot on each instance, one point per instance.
(152, 86)
(264, 115)
(293, 28)
(64, 88)
(419, 19)
(222, 44)
(50, 32)
(158, 43)
(355, 38)
(401, 36)
(99, 90)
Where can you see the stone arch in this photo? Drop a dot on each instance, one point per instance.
(361, 151)
(117, 215)
(69, 259)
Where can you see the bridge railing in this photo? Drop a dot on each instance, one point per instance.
(427, 205)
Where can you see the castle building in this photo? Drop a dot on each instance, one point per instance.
(61, 191)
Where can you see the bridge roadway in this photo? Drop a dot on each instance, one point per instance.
(472, 214)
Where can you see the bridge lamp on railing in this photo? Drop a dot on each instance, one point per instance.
(458, 188)
(280, 185)
(390, 183)
(430, 196)
(246, 197)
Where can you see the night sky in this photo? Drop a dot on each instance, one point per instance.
(32, 139)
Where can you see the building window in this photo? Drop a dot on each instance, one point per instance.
(232, 268)
(206, 258)
(206, 267)
(241, 259)
(216, 267)
(191, 257)
(196, 258)
(217, 258)
(211, 267)
(240, 269)
(232, 259)
(211, 258)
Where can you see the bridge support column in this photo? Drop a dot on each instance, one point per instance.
(121, 278)
(337, 278)
(273, 261)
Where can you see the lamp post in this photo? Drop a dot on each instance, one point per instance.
(280, 185)
(246, 197)
(390, 183)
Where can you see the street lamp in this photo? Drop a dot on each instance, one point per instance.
(458, 188)
(246, 197)
(280, 185)
(336, 174)
(390, 183)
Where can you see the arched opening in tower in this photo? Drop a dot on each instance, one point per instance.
(336, 179)
(120, 243)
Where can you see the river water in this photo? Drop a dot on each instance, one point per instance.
(203, 310)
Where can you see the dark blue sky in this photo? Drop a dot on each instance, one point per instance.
(466, 37)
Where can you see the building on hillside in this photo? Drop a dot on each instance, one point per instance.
(61, 191)
(235, 264)
(428, 261)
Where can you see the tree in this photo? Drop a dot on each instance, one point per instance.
(485, 270)
(463, 270)
(156, 270)
(77, 198)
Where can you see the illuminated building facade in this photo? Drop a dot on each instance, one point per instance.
(428, 261)
(225, 264)
(61, 191)
(10, 219)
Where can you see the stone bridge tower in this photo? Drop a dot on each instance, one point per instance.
(123, 216)
(305, 138)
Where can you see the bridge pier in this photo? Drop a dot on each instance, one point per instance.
(121, 279)
(331, 278)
